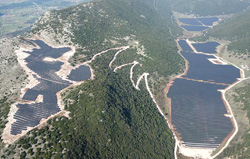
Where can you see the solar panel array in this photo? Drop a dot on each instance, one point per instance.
(79, 74)
(197, 112)
(184, 45)
(194, 27)
(197, 24)
(197, 109)
(200, 68)
(29, 115)
(207, 47)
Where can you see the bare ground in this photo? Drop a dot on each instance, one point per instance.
(12, 76)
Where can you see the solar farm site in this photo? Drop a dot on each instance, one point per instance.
(31, 109)
(197, 24)
(199, 115)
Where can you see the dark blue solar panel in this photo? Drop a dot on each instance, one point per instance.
(80, 74)
(208, 47)
(29, 115)
(190, 21)
(208, 21)
(184, 45)
(199, 117)
(194, 27)
(201, 68)
(197, 109)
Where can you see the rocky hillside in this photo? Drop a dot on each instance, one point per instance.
(12, 76)
(211, 7)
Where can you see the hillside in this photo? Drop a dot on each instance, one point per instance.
(239, 99)
(236, 30)
(18, 16)
(110, 118)
(136, 21)
(211, 7)
(12, 77)
(233, 34)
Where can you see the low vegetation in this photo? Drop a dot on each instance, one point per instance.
(211, 7)
(236, 31)
(97, 27)
(12, 78)
(240, 147)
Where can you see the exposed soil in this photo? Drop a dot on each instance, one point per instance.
(12, 76)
